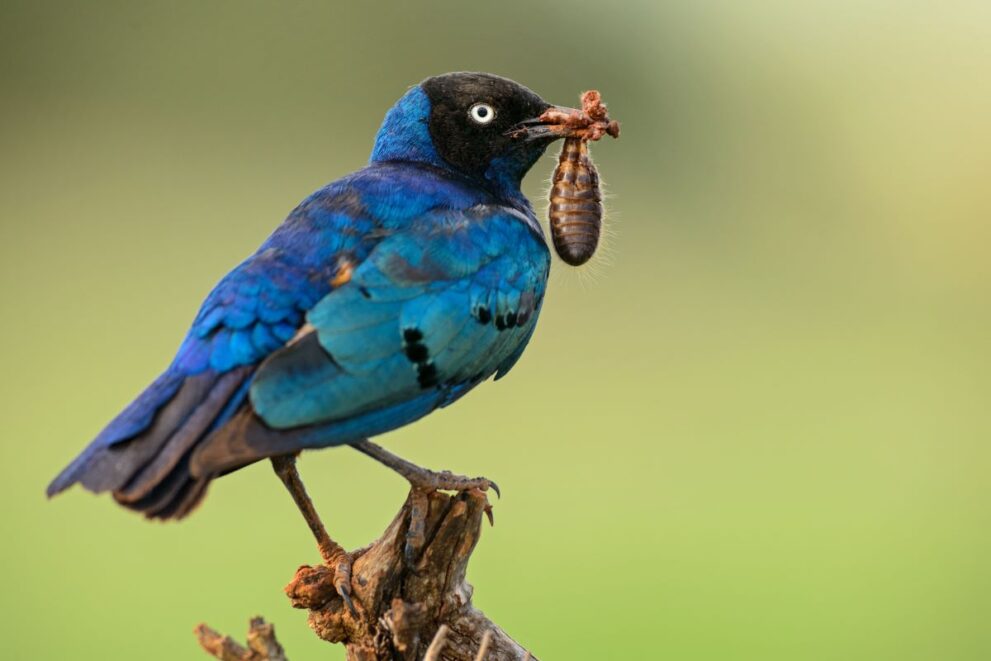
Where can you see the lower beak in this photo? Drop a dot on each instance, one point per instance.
(563, 122)
(552, 124)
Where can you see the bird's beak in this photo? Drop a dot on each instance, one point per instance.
(564, 122)
(549, 125)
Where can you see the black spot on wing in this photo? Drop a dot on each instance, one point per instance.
(483, 315)
(426, 375)
(417, 353)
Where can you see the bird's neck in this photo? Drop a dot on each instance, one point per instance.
(404, 135)
(504, 176)
(498, 182)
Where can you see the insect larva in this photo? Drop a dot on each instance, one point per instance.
(576, 204)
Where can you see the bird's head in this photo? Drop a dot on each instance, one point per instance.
(479, 125)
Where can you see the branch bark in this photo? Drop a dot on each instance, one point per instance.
(409, 589)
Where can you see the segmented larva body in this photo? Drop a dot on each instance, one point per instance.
(576, 204)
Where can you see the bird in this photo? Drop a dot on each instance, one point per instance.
(383, 296)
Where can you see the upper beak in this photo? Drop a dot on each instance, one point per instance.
(564, 122)
(550, 125)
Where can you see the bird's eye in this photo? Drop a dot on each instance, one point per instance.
(482, 113)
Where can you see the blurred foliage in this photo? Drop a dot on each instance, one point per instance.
(759, 430)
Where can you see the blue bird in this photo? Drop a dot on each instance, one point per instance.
(383, 296)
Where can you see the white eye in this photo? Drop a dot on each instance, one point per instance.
(482, 113)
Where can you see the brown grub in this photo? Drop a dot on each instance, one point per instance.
(575, 211)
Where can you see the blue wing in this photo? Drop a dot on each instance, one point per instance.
(434, 310)
(259, 306)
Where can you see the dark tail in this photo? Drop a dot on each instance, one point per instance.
(142, 457)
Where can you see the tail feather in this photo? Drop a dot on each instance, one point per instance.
(179, 443)
(131, 422)
(147, 468)
(159, 497)
(172, 498)
(192, 494)
(112, 468)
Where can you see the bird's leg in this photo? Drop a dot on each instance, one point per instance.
(421, 482)
(334, 555)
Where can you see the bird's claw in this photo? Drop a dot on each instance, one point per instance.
(416, 532)
(409, 556)
(345, 593)
(341, 564)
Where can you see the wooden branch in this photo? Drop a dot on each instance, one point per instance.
(409, 588)
(262, 645)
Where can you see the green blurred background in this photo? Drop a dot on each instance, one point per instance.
(756, 429)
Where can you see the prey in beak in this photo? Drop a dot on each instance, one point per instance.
(588, 124)
(575, 211)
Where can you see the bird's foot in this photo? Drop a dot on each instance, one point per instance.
(427, 480)
(339, 561)
(422, 478)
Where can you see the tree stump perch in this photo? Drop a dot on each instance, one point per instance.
(409, 589)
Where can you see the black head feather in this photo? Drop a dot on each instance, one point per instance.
(463, 141)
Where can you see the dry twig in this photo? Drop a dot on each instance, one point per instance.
(262, 644)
